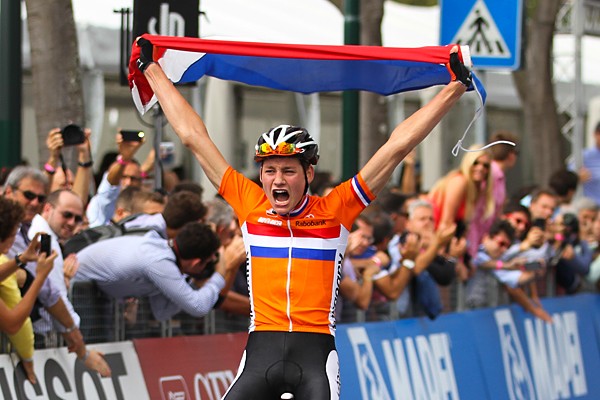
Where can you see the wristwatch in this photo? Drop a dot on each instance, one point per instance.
(410, 264)
(20, 262)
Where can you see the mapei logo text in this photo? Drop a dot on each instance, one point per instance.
(265, 220)
(418, 368)
(555, 369)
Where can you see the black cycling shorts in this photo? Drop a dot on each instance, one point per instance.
(303, 364)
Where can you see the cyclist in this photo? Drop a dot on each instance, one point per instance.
(294, 242)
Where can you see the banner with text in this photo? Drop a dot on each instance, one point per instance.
(501, 353)
(190, 367)
(61, 376)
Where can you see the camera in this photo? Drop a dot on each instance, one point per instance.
(571, 224)
(206, 273)
(45, 246)
(132, 135)
(72, 135)
(533, 266)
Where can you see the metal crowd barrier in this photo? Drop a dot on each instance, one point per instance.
(104, 319)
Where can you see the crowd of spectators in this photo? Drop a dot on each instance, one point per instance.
(410, 253)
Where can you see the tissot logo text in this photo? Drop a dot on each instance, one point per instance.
(320, 222)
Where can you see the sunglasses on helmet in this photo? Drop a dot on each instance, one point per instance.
(282, 149)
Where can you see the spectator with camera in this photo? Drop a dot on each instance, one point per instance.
(356, 283)
(542, 207)
(60, 216)
(573, 256)
(157, 268)
(438, 258)
(27, 186)
(535, 241)
(14, 309)
(391, 280)
(221, 218)
(513, 273)
(395, 204)
(59, 174)
(125, 171)
(520, 218)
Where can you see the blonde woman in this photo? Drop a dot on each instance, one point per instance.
(464, 196)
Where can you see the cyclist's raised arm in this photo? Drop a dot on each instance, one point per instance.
(414, 129)
(183, 118)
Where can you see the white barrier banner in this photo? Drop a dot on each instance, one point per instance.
(61, 376)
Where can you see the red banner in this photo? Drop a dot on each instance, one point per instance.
(190, 367)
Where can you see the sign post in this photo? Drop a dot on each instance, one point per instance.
(164, 17)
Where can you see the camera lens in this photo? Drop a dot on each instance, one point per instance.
(72, 135)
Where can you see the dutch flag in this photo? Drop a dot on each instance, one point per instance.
(295, 67)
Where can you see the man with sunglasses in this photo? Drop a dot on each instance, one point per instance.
(495, 255)
(59, 217)
(295, 242)
(28, 186)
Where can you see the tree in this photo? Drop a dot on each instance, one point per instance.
(373, 107)
(374, 129)
(56, 75)
(536, 90)
(534, 84)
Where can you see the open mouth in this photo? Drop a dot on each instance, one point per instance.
(281, 195)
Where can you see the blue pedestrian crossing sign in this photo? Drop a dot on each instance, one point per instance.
(491, 28)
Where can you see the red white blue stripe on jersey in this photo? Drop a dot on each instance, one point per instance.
(359, 192)
(277, 231)
(297, 253)
(297, 68)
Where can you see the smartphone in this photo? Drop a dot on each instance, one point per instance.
(45, 246)
(132, 135)
(403, 236)
(533, 266)
(539, 222)
(461, 229)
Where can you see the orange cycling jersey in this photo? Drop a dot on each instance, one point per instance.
(294, 261)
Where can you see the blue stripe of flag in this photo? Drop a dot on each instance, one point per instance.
(309, 76)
